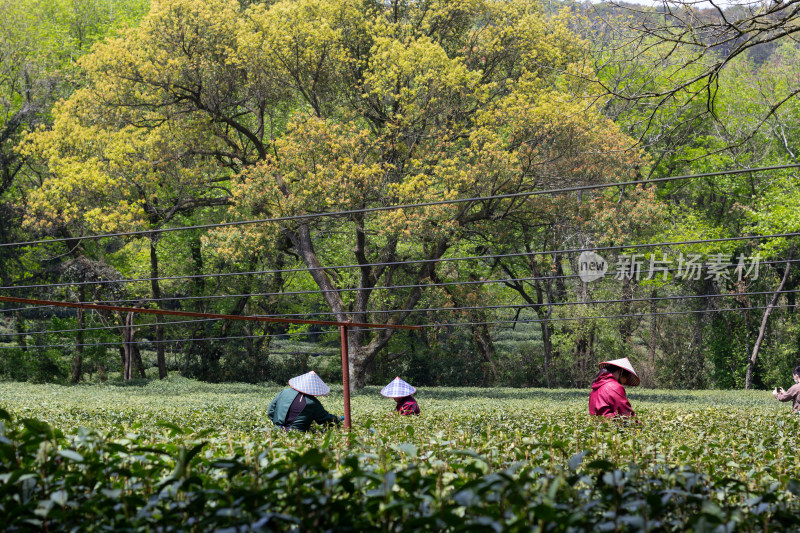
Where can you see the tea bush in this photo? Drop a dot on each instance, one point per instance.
(180, 455)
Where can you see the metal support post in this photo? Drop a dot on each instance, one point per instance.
(345, 376)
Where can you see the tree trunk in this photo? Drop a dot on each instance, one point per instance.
(128, 334)
(358, 361)
(653, 330)
(198, 289)
(19, 325)
(361, 355)
(77, 363)
(747, 332)
(483, 342)
(584, 341)
(156, 290)
(626, 323)
(548, 349)
(768, 311)
(583, 333)
(542, 315)
(137, 360)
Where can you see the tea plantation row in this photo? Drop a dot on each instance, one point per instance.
(179, 455)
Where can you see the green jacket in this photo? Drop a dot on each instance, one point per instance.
(312, 412)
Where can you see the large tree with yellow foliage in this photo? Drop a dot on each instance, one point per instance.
(300, 106)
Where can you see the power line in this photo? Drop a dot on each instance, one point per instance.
(569, 319)
(26, 308)
(404, 206)
(105, 328)
(147, 341)
(379, 287)
(397, 310)
(419, 261)
(217, 296)
(345, 289)
(544, 304)
(453, 324)
(523, 306)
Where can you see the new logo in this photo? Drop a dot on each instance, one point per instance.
(591, 266)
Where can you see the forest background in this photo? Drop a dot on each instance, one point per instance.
(120, 116)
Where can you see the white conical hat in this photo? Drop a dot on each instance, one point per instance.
(625, 365)
(398, 389)
(310, 383)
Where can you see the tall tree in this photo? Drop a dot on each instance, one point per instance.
(410, 103)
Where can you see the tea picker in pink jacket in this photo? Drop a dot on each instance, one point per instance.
(402, 392)
(608, 396)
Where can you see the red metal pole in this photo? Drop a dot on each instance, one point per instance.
(345, 376)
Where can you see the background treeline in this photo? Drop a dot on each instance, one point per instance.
(134, 116)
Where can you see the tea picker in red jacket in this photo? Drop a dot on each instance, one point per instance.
(402, 392)
(608, 396)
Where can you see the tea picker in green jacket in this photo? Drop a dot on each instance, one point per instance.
(297, 407)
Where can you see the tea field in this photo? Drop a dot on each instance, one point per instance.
(180, 455)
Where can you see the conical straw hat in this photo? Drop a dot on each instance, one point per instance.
(309, 383)
(398, 389)
(625, 365)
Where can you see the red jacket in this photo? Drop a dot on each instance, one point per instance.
(407, 406)
(608, 397)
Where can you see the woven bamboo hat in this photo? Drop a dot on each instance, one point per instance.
(398, 389)
(625, 365)
(310, 383)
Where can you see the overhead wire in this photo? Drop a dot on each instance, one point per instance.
(516, 254)
(523, 306)
(381, 287)
(148, 341)
(106, 328)
(400, 310)
(543, 278)
(634, 315)
(25, 308)
(435, 325)
(404, 206)
(444, 308)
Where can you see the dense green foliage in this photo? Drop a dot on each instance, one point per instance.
(182, 455)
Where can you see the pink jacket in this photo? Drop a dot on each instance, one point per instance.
(407, 406)
(608, 398)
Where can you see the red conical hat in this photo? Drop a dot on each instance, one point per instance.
(625, 365)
